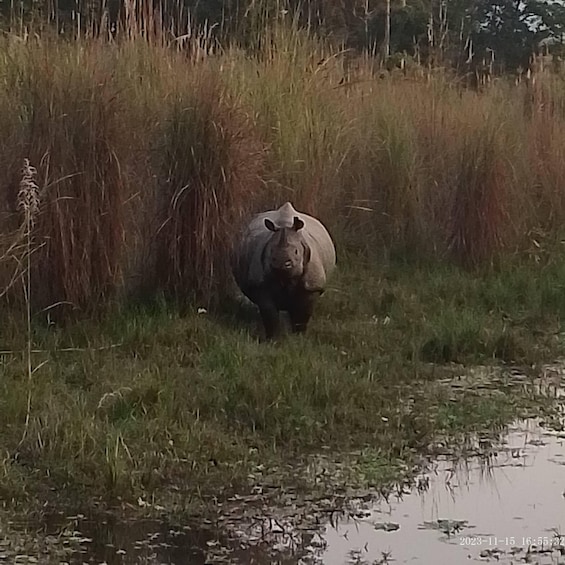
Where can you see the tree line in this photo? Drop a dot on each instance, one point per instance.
(454, 32)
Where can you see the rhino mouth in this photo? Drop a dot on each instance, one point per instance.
(283, 272)
(281, 266)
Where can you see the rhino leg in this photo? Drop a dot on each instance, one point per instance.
(271, 321)
(269, 315)
(301, 311)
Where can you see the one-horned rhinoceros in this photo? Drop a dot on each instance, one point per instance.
(282, 262)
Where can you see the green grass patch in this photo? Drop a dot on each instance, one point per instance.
(148, 403)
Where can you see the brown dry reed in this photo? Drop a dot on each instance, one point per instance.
(151, 152)
(17, 246)
(210, 171)
(477, 218)
(73, 130)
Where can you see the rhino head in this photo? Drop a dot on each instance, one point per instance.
(288, 252)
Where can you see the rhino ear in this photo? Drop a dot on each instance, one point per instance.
(270, 225)
(298, 223)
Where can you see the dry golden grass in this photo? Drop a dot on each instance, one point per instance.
(150, 156)
(211, 170)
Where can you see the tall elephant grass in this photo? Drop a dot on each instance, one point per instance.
(149, 159)
(70, 128)
(211, 168)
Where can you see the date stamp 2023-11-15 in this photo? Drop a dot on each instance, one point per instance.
(556, 541)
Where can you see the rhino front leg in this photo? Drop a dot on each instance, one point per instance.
(267, 309)
(301, 311)
(270, 317)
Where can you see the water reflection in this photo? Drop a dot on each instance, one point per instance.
(504, 508)
(144, 541)
(508, 507)
(109, 541)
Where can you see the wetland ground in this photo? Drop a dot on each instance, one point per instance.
(154, 435)
(140, 418)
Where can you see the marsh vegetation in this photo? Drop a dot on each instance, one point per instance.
(130, 373)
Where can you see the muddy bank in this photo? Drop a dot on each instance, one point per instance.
(495, 495)
(506, 506)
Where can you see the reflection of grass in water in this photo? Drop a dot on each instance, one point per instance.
(480, 455)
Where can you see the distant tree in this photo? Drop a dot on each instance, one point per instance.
(409, 26)
(513, 29)
(459, 31)
(437, 31)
